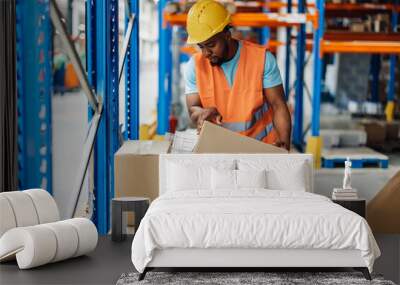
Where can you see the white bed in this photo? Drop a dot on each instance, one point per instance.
(198, 222)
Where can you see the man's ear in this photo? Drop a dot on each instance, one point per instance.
(228, 34)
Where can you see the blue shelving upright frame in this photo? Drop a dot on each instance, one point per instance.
(34, 90)
(393, 58)
(375, 67)
(265, 31)
(132, 78)
(318, 64)
(288, 53)
(164, 71)
(299, 87)
(102, 68)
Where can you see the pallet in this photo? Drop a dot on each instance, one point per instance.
(360, 158)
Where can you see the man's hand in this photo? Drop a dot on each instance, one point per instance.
(283, 145)
(200, 115)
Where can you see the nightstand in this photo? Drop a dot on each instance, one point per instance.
(138, 205)
(356, 205)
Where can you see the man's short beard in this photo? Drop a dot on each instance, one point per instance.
(218, 63)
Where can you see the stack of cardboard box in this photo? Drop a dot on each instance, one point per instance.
(382, 135)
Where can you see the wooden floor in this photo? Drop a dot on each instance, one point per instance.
(103, 266)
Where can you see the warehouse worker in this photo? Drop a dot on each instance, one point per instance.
(233, 83)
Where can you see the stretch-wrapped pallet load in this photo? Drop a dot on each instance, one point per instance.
(343, 138)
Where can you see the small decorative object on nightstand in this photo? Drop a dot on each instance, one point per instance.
(138, 205)
(346, 192)
(355, 205)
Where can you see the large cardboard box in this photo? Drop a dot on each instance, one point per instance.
(383, 211)
(216, 139)
(136, 168)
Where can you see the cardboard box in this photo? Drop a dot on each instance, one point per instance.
(376, 133)
(392, 131)
(136, 168)
(379, 132)
(383, 211)
(216, 139)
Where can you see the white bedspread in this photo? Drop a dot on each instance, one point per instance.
(250, 219)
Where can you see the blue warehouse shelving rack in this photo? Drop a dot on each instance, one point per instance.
(342, 43)
(99, 81)
(34, 88)
(104, 68)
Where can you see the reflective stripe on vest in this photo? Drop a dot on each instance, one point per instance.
(244, 126)
(265, 132)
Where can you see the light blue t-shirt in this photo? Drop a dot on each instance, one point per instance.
(271, 77)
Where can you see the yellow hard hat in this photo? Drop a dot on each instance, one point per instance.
(205, 19)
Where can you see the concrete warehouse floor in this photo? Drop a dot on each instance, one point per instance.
(110, 260)
(102, 266)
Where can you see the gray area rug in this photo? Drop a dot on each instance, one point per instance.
(228, 278)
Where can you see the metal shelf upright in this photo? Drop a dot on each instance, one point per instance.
(164, 70)
(132, 77)
(34, 89)
(102, 67)
(393, 62)
(287, 52)
(132, 72)
(299, 88)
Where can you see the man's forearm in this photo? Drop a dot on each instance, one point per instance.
(282, 123)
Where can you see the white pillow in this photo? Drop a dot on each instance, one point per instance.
(237, 179)
(188, 174)
(251, 178)
(223, 179)
(188, 177)
(293, 180)
(288, 175)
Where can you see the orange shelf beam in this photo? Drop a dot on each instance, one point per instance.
(273, 45)
(250, 19)
(335, 47)
(337, 7)
(359, 7)
(360, 36)
(360, 47)
(279, 5)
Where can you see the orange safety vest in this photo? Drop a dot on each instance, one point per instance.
(243, 107)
